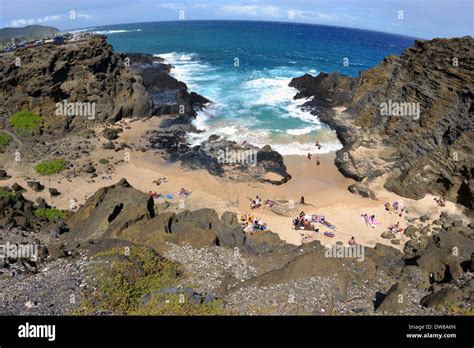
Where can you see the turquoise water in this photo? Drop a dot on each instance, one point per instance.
(244, 68)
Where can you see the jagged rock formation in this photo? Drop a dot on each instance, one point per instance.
(216, 155)
(245, 271)
(431, 153)
(86, 72)
(170, 96)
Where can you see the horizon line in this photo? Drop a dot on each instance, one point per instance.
(260, 20)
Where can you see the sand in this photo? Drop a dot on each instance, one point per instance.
(323, 187)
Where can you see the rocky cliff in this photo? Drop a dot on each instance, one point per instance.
(410, 117)
(89, 71)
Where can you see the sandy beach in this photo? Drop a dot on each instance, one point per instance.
(324, 189)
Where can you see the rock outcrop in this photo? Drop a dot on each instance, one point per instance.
(88, 71)
(429, 151)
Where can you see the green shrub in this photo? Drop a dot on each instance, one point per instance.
(52, 214)
(121, 283)
(25, 121)
(104, 161)
(51, 167)
(4, 141)
(171, 305)
(4, 193)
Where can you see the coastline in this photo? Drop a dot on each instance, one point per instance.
(324, 188)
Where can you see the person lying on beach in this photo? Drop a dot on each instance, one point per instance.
(253, 205)
(269, 203)
(310, 156)
(160, 181)
(396, 228)
(369, 220)
(441, 202)
(352, 241)
(258, 201)
(184, 193)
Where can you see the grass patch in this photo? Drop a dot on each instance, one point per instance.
(121, 283)
(25, 121)
(104, 161)
(171, 305)
(4, 193)
(52, 214)
(4, 141)
(51, 167)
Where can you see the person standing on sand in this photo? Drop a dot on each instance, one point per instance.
(317, 161)
(352, 241)
(309, 156)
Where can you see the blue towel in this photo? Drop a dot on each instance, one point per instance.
(169, 196)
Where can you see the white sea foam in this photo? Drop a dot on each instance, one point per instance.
(234, 113)
(109, 32)
(302, 131)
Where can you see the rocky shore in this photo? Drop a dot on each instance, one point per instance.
(429, 152)
(122, 252)
(247, 274)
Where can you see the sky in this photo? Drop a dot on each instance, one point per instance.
(417, 18)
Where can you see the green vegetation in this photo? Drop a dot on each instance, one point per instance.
(171, 305)
(121, 283)
(456, 309)
(51, 167)
(4, 193)
(25, 121)
(4, 141)
(52, 214)
(104, 161)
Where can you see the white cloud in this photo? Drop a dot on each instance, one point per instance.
(181, 6)
(53, 18)
(252, 10)
(312, 15)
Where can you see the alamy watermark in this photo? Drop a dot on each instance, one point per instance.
(342, 251)
(20, 251)
(400, 109)
(66, 108)
(245, 157)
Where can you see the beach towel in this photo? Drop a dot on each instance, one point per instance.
(329, 234)
(373, 221)
(169, 196)
(327, 224)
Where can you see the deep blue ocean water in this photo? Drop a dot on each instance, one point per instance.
(252, 101)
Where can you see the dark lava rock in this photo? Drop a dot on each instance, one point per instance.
(17, 188)
(420, 161)
(53, 192)
(362, 189)
(89, 169)
(110, 133)
(445, 296)
(108, 146)
(35, 185)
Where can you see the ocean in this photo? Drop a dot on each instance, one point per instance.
(244, 67)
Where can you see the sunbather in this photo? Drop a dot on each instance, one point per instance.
(352, 241)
